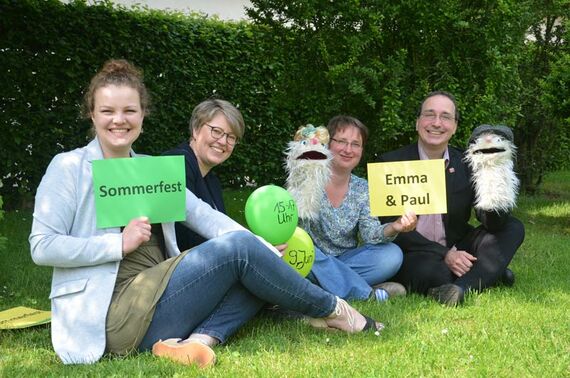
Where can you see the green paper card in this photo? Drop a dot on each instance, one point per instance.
(133, 187)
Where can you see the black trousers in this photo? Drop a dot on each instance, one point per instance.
(494, 251)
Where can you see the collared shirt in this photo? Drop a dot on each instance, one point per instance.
(431, 226)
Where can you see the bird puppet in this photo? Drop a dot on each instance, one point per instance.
(490, 154)
(307, 163)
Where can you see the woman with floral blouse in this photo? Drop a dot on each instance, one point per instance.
(342, 266)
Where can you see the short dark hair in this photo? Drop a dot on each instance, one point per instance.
(340, 122)
(440, 93)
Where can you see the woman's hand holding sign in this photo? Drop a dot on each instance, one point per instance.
(135, 233)
(405, 223)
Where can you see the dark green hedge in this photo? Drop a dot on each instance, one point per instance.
(2, 237)
(297, 63)
(376, 60)
(50, 50)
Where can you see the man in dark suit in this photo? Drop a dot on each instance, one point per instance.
(445, 256)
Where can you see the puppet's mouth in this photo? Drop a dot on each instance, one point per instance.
(489, 151)
(312, 155)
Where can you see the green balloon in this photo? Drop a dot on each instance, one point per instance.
(271, 213)
(300, 252)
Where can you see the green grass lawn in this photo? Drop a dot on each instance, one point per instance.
(522, 331)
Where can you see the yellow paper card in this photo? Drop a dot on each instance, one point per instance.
(417, 185)
(22, 317)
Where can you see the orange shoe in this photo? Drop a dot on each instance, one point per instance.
(186, 352)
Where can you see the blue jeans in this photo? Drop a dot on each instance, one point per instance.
(221, 284)
(352, 274)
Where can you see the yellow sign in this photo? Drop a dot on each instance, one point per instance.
(417, 185)
(22, 317)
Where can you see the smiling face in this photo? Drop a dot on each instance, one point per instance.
(346, 148)
(436, 123)
(211, 151)
(117, 116)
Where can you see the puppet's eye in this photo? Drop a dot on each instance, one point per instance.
(304, 142)
(499, 139)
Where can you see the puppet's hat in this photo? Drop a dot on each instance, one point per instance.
(501, 130)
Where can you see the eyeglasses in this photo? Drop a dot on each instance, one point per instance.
(344, 144)
(218, 133)
(445, 117)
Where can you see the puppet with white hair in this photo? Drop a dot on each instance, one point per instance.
(308, 169)
(490, 154)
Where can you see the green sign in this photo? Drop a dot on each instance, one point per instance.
(133, 187)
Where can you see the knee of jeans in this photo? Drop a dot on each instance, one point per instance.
(232, 241)
(241, 236)
(389, 254)
(395, 252)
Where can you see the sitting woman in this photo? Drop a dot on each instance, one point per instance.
(216, 126)
(341, 266)
(117, 290)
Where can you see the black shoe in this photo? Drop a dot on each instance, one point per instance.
(507, 278)
(448, 294)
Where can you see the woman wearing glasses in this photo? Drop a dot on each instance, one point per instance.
(341, 266)
(215, 128)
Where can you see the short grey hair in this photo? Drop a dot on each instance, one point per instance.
(205, 111)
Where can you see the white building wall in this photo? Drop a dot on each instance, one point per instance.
(224, 9)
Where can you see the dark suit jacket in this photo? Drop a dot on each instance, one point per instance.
(207, 188)
(460, 198)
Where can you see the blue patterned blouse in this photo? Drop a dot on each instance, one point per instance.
(338, 229)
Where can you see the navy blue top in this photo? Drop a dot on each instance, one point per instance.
(207, 188)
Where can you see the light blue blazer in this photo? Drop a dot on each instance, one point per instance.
(86, 259)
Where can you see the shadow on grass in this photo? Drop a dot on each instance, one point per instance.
(546, 216)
